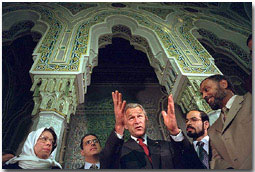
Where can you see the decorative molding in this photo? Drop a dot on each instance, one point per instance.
(55, 93)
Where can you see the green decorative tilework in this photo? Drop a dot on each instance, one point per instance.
(75, 8)
(208, 67)
(81, 41)
(80, 44)
(162, 13)
(228, 26)
(242, 56)
(48, 44)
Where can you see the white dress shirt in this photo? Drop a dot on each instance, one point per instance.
(179, 137)
(88, 165)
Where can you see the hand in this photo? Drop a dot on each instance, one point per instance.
(119, 107)
(169, 117)
(7, 157)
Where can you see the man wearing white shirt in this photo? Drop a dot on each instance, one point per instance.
(90, 150)
(231, 134)
(197, 124)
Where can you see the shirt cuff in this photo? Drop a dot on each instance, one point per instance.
(119, 135)
(179, 137)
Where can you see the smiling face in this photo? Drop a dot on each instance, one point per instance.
(135, 121)
(43, 146)
(91, 146)
(213, 93)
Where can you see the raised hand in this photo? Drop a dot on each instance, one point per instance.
(119, 107)
(169, 117)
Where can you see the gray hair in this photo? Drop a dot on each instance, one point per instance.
(134, 105)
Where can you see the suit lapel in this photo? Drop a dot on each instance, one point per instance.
(154, 149)
(131, 144)
(233, 111)
(218, 125)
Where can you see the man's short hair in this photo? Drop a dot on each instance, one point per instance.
(51, 130)
(248, 39)
(88, 134)
(218, 78)
(134, 105)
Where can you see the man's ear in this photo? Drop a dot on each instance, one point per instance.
(206, 125)
(82, 152)
(223, 84)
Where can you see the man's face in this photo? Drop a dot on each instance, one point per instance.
(213, 93)
(44, 145)
(135, 121)
(194, 125)
(91, 146)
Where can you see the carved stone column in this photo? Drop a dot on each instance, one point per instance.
(55, 98)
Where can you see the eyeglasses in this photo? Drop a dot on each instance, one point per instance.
(44, 139)
(91, 141)
(192, 120)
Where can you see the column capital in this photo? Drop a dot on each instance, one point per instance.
(56, 93)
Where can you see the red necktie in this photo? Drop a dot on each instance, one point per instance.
(145, 148)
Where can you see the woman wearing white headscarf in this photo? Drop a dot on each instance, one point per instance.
(36, 152)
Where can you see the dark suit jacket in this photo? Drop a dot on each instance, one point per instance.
(232, 140)
(189, 157)
(130, 155)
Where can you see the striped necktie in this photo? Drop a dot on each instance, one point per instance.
(202, 154)
(93, 166)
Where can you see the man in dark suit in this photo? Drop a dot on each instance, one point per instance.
(90, 150)
(139, 152)
(197, 124)
(231, 134)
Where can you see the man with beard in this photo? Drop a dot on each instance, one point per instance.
(197, 123)
(231, 134)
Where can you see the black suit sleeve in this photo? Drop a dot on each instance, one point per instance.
(110, 155)
(185, 155)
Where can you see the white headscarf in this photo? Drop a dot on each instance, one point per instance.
(28, 160)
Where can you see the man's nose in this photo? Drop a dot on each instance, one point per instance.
(136, 120)
(204, 95)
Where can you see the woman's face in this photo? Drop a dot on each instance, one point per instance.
(44, 145)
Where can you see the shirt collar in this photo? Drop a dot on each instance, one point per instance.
(206, 144)
(88, 165)
(230, 102)
(144, 138)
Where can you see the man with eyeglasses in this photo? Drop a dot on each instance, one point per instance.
(197, 124)
(90, 150)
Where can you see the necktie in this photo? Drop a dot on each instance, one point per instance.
(93, 166)
(145, 148)
(202, 154)
(224, 112)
